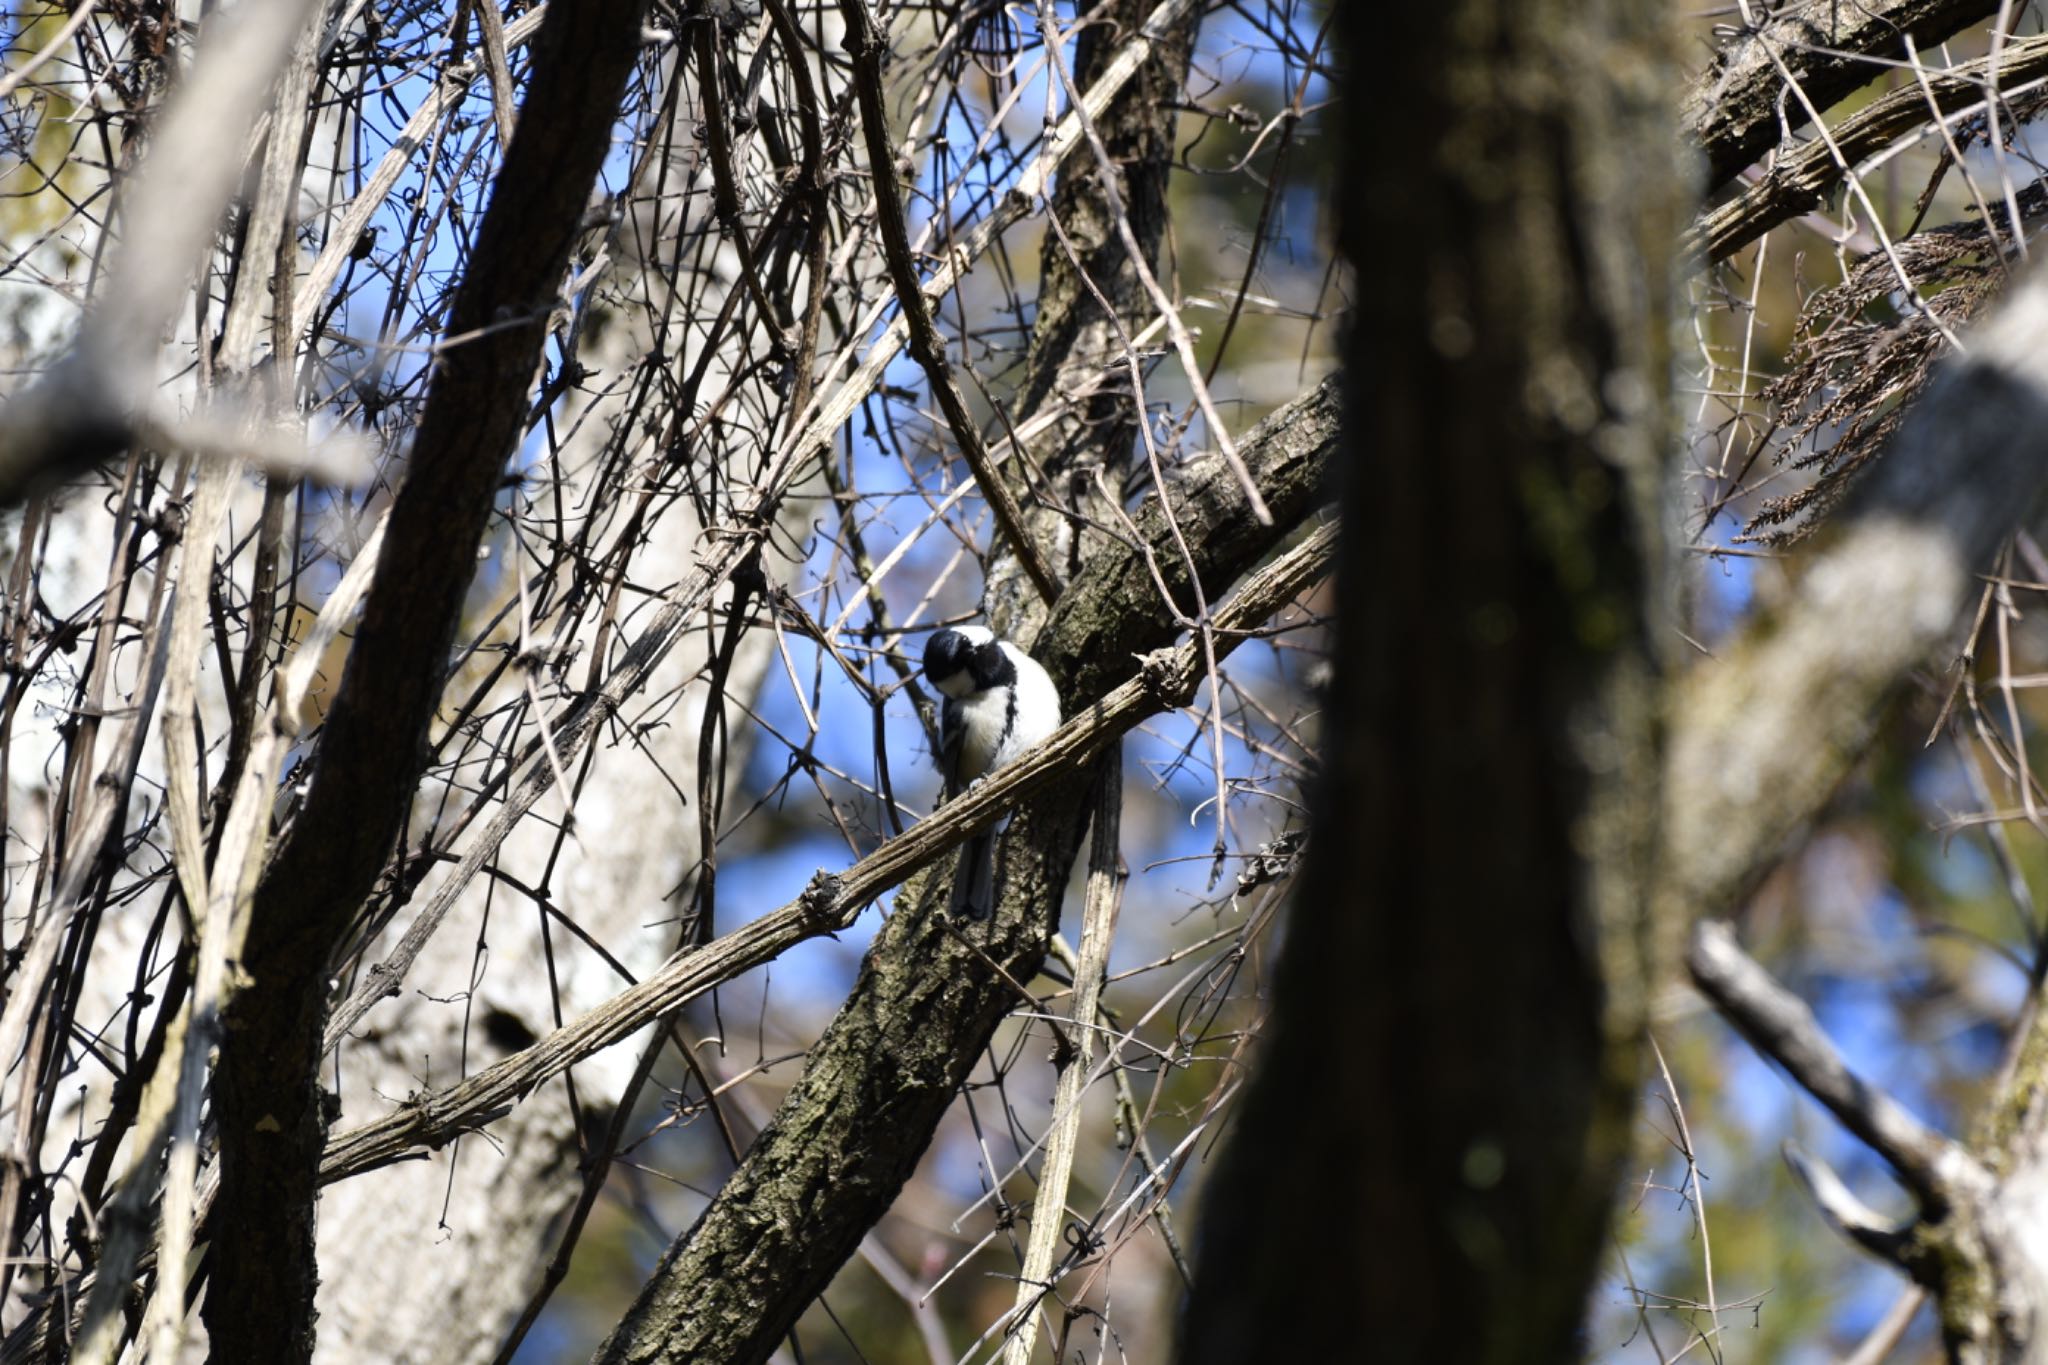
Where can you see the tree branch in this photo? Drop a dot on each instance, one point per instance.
(1780, 1026)
(267, 1104)
(1101, 903)
(1081, 388)
(1732, 112)
(1762, 734)
(1797, 182)
(576, 729)
(851, 1131)
(1848, 1215)
(867, 46)
(89, 406)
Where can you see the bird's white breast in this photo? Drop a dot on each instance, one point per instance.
(982, 716)
(1038, 707)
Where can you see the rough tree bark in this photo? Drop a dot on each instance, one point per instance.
(1737, 108)
(1465, 971)
(889, 1065)
(1762, 737)
(1760, 740)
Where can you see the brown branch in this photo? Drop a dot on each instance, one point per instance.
(1732, 112)
(497, 63)
(725, 190)
(682, 603)
(96, 401)
(1135, 252)
(1797, 182)
(354, 217)
(1093, 635)
(851, 1131)
(867, 46)
(267, 1100)
(1078, 405)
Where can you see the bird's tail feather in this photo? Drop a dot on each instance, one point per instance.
(974, 878)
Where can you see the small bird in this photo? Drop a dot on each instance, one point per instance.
(999, 703)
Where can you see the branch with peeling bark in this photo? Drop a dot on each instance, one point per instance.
(1797, 182)
(1102, 902)
(1732, 112)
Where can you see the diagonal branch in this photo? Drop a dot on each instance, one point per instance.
(1101, 905)
(267, 1102)
(1846, 1213)
(682, 604)
(1797, 181)
(1781, 1026)
(354, 217)
(1763, 734)
(852, 1130)
(1732, 112)
(867, 46)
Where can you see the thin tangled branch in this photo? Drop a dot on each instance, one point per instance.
(1858, 363)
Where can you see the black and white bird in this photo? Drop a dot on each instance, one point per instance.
(999, 703)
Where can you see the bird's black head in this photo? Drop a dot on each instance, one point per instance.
(945, 654)
(958, 662)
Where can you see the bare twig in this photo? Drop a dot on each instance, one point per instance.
(1779, 1025)
(1103, 900)
(1798, 180)
(1183, 343)
(867, 45)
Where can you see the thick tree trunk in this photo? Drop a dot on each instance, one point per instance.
(1423, 1166)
